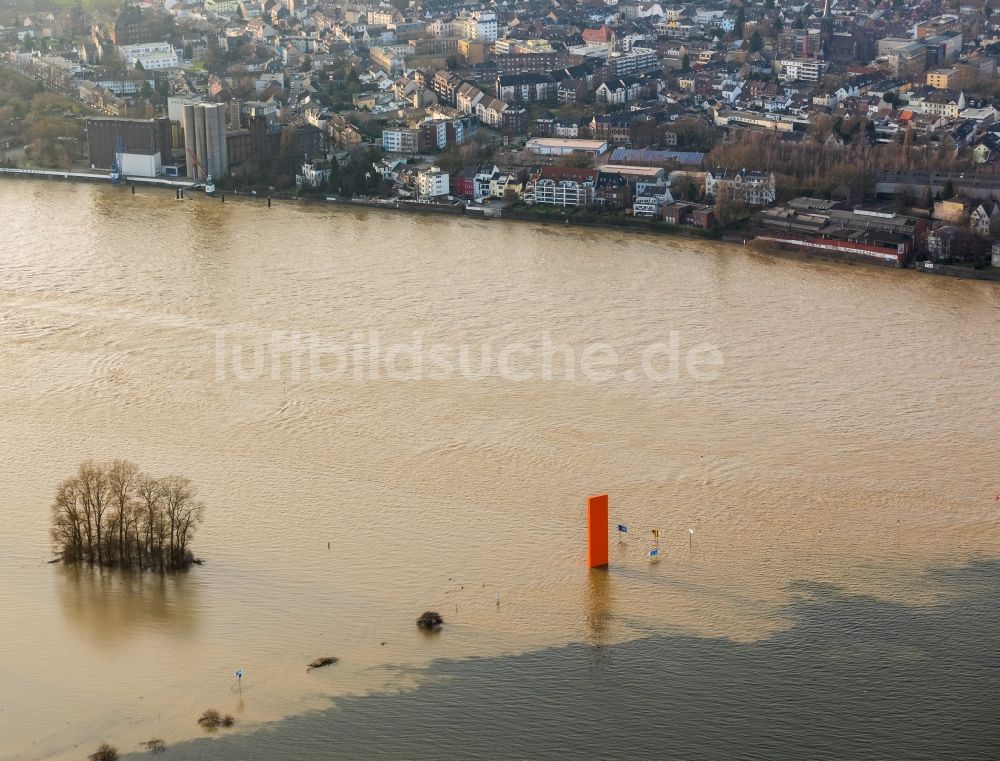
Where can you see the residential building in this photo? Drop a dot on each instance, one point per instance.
(152, 56)
(562, 186)
(618, 91)
(483, 179)
(635, 61)
(313, 174)
(650, 200)
(478, 25)
(749, 187)
(467, 98)
(941, 79)
(433, 135)
(525, 88)
(400, 140)
(432, 183)
(804, 69)
(979, 220)
(391, 58)
(134, 27)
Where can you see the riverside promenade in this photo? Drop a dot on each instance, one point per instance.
(55, 174)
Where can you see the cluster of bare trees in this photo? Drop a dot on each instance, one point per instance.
(114, 515)
(844, 169)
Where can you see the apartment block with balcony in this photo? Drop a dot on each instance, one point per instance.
(801, 69)
(562, 186)
(400, 140)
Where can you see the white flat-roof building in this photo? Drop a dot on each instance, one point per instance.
(154, 56)
(561, 146)
(805, 69)
(432, 183)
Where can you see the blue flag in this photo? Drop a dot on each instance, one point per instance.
(622, 528)
(655, 552)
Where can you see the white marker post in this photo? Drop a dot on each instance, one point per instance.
(690, 538)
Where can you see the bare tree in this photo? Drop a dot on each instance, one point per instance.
(183, 513)
(122, 476)
(115, 515)
(68, 522)
(96, 499)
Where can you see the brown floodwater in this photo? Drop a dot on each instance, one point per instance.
(849, 437)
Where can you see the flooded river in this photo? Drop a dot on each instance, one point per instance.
(391, 413)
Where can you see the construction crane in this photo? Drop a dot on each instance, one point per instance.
(209, 185)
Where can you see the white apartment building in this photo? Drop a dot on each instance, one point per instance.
(804, 69)
(400, 140)
(562, 186)
(478, 25)
(125, 86)
(154, 56)
(432, 183)
(635, 61)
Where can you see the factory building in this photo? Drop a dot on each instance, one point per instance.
(144, 143)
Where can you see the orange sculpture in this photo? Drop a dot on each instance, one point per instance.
(597, 530)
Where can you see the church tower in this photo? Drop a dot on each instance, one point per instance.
(826, 29)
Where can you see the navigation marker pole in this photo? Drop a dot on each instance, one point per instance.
(239, 680)
(690, 538)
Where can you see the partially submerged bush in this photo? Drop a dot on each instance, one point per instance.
(156, 745)
(104, 753)
(212, 719)
(321, 662)
(430, 621)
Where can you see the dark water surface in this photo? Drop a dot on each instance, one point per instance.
(853, 678)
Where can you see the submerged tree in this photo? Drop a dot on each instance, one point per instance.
(114, 515)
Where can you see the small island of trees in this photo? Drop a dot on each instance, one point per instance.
(114, 515)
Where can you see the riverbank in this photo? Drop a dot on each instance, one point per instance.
(623, 224)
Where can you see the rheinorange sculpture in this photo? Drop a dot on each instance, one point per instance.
(597, 530)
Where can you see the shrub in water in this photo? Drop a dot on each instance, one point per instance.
(105, 753)
(211, 719)
(430, 621)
